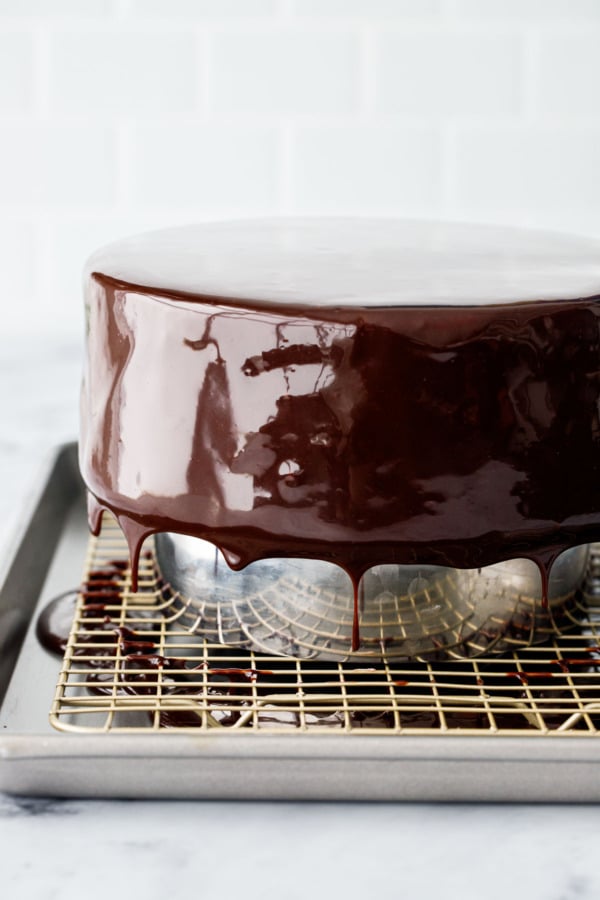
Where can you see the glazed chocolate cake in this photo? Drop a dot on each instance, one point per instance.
(365, 392)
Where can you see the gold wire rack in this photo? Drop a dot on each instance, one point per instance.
(134, 663)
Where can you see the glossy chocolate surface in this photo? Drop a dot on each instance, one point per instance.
(449, 415)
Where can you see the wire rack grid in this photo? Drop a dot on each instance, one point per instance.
(134, 662)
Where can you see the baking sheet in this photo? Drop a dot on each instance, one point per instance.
(48, 558)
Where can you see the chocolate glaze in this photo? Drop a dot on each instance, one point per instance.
(524, 677)
(455, 425)
(54, 622)
(101, 589)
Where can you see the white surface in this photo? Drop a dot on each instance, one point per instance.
(283, 83)
(39, 403)
(297, 851)
(249, 179)
(400, 168)
(121, 115)
(474, 74)
(69, 850)
(536, 169)
(42, 165)
(134, 80)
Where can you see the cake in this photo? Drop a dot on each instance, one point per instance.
(365, 392)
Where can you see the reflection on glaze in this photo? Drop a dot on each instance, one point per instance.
(360, 434)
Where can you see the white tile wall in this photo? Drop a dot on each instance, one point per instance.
(56, 167)
(19, 252)
(118, 115)
(56, 8)
(570, 74)
(220, 169)
(381, 169)
(538, 11)
(442, 73)
(200, 8)
(544, 174)
(123, 71)
(284, 71)
(374, 8)
(16, 72)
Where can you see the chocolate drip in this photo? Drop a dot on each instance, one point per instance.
(95, 511)
(524, 677)
(355, 617)
(135, 533)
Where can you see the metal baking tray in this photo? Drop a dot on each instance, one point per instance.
(35, 758)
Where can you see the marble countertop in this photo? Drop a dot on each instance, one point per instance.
(68, 849)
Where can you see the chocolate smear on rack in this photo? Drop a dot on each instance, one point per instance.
(101, 589)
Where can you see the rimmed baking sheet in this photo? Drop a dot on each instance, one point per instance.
(37, 759)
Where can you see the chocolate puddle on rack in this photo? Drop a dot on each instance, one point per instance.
(127, 661)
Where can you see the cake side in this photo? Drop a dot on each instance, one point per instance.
(446, 435)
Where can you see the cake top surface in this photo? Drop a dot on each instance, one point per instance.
(356, 262)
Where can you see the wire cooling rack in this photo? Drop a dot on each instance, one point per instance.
(134, 663)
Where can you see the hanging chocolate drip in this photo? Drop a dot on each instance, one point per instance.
(135, 535)
(355, 619)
